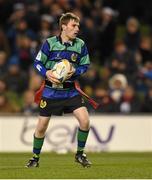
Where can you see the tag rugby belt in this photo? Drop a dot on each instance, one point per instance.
(64, 85)
(75, 85)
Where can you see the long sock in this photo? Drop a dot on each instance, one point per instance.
(82, 138)
(37, 146)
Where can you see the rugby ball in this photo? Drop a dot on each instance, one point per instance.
(60, 69)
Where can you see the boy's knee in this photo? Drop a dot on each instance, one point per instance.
(84, 125)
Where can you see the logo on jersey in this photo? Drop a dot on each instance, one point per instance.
(39, 67)
(39, 55)
(58, 56)
(43, 104)
(74, 57)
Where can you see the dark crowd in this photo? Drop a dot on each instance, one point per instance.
(119, 43)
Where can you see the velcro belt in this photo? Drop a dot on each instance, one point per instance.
(65, 85)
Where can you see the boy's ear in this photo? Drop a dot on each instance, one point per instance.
(63, 26)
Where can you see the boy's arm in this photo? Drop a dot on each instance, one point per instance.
(41, 59)
(40, 62)
(84, 63)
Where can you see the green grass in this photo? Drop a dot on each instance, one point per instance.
(54, 166)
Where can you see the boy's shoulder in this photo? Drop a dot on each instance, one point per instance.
(79, 41)
(52, 39)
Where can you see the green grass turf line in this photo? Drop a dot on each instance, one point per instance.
(55, 166)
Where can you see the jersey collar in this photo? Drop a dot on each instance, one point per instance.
(69, 43)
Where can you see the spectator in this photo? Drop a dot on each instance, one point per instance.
(106, 33)
(123, 61)
(55, 11)
(117, 85)
(29, 107)
(89, 33)
(3, 89)
(12, 97)
(5, 12)
(45, 6)
(32, 15)
(104, 76)
(129, 102)
(20, 28)
(101, 95)
(145, 49)
(3, 63)
(145, 78)
(15, 79)
(45, 27)
(5, 106)
(90, 78)
(64, 4)
(19, 12)
(132, 36)
(24, 54)
(4, 45)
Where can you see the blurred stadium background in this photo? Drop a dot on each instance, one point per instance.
(118, 35)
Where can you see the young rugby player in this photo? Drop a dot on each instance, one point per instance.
(55, 99)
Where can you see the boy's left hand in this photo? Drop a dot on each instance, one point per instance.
(71, 72)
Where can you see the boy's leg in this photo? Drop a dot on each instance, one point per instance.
(39, 136)
(83, 118)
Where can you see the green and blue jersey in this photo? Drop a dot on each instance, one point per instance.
(53, 51)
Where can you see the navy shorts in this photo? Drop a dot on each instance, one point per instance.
(48, 107)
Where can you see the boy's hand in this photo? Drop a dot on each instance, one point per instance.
(50, 76)
(71, 72)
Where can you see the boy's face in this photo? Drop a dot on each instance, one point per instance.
(71, 29)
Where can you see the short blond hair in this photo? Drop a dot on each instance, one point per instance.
(65, 18)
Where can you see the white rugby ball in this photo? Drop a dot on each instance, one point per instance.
(61, 69)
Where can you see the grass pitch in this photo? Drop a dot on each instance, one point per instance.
(54, 166)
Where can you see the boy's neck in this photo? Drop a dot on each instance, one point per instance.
(64, 38)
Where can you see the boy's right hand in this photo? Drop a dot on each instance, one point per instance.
(50, 76)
